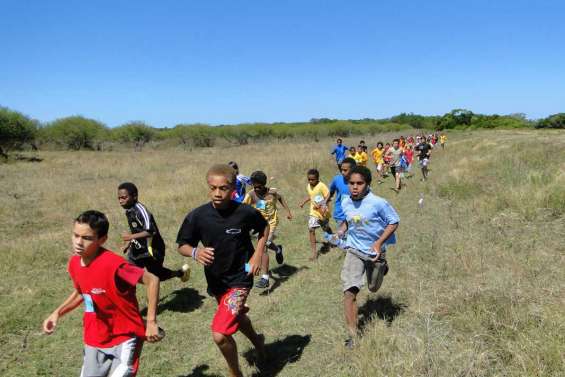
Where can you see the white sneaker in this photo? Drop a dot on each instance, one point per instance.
(185, 273)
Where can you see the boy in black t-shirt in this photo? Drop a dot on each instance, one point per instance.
(424, 152)
(223, 226)
(145, 246)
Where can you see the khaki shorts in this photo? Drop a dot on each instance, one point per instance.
(358, 264)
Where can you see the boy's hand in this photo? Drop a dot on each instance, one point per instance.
(125, 247)
(126, 237)
(301, 205)
(289, 216)
(50, 323)
(377, 249)
(254, 265)
(152, 332)
(205, 256)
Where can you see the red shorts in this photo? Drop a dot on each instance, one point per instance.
(231, 305)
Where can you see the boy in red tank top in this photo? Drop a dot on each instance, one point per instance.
(113, 328)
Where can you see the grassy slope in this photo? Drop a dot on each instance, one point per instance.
(475, 287)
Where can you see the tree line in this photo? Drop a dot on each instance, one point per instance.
(77, 132)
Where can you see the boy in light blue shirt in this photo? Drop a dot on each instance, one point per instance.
(370, 225)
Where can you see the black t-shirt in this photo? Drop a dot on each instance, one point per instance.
(424, 149)
(228, 232)
(139, 220)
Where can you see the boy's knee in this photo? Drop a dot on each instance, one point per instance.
(219, 338)
(351, 294)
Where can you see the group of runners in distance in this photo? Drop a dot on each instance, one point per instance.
(219, 235)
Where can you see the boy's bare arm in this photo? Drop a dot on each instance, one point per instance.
(304, 202)
(68, 305)
(389, 230)
(342, 229)
(135, 236)
(255, 260)
(151, 283)
(202, 255)
(285, 206)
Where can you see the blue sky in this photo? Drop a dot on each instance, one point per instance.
(171, 62)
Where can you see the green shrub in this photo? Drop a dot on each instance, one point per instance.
(16, 129)
(136, 132)
(197, 135)
(552, 121)
(76, 132)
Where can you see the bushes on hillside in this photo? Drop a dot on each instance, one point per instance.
(75, 132)
(552, 121)
(136, 132)
(16, 129)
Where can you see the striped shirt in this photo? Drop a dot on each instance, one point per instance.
(139, 220)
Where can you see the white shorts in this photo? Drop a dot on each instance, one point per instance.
(314, 222)
(424, 162)
(379, 167)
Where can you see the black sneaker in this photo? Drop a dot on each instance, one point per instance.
(279, 254)
(349, 343)
(262, 283)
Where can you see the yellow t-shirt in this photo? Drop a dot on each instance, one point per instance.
(378, 155)
(318, 196)
(442, 139)
(266, 205)
(362, 158)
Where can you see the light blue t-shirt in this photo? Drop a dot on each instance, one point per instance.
(340, 188)
(366, 221)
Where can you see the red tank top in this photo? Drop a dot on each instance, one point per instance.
(110, 316)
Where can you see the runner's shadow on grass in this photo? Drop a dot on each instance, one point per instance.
(199, 370)
(384, 308)
(280, 275)
(281, 352)
(182, 300)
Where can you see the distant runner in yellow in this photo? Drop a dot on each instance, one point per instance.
(265, 199)
(318, 195)
(442, 140)
(378, 159)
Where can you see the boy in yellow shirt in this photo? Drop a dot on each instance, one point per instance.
(442, 140)
(265, 199)
(318, 195)
(362, 157)
(378, 159)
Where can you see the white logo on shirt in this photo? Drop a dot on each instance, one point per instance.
(97, 291)
(233, 231)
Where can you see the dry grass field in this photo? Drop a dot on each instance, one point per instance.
(476, 286)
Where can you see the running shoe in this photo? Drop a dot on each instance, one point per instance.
(262, 283)
(279, 254)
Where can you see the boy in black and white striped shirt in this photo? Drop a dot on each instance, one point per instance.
(145, 247)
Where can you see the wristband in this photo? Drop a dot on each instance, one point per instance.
(194, 253)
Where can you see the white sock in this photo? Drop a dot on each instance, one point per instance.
(266, 277)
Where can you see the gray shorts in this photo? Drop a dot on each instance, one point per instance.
(121, 360)
(358, 264)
